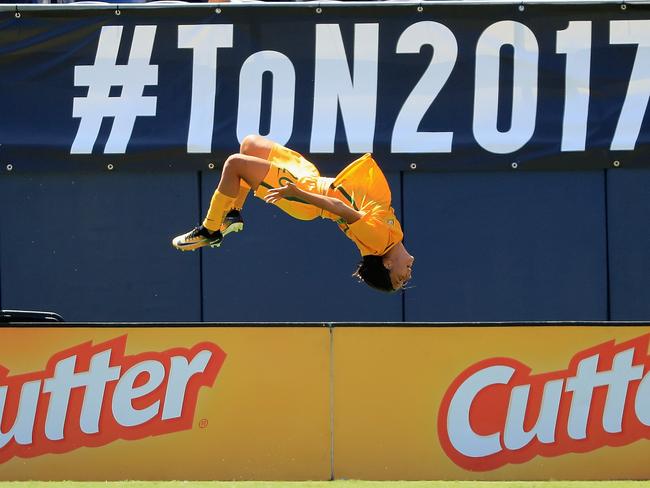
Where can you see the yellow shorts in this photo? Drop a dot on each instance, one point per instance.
(290, 166)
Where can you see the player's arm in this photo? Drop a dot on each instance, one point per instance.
(329, 204)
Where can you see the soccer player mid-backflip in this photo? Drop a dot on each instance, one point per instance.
(358, 200)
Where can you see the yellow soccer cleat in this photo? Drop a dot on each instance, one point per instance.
(197, 238)
(232, 222)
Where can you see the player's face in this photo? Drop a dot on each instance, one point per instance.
(401, 268)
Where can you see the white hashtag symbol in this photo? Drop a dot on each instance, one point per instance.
(101, 76)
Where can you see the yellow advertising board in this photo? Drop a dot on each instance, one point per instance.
(491, 403)
(163, 403)
(160, 402)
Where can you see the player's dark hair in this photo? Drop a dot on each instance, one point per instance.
(372, 272)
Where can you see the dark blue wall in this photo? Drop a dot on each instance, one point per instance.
(488, 247)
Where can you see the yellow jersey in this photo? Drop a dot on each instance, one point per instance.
(361, 185)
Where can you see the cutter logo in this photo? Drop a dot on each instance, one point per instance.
(495, 412)
(92, 395)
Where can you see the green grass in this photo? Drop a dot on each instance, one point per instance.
(328, 484)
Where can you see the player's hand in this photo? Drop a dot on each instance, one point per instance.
(275, 194)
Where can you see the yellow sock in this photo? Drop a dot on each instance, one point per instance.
(241, 196)
(219, 206)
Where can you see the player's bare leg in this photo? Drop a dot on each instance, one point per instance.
(257, 146)
(240, 173)
(252, 145)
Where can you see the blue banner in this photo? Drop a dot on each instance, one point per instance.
(425, 87)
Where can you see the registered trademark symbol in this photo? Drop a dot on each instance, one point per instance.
(203, 423)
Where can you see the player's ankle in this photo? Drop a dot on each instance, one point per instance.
(209, 229)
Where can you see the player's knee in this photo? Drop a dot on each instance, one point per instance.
(233, 164)
(247, 143)
(254, 145)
